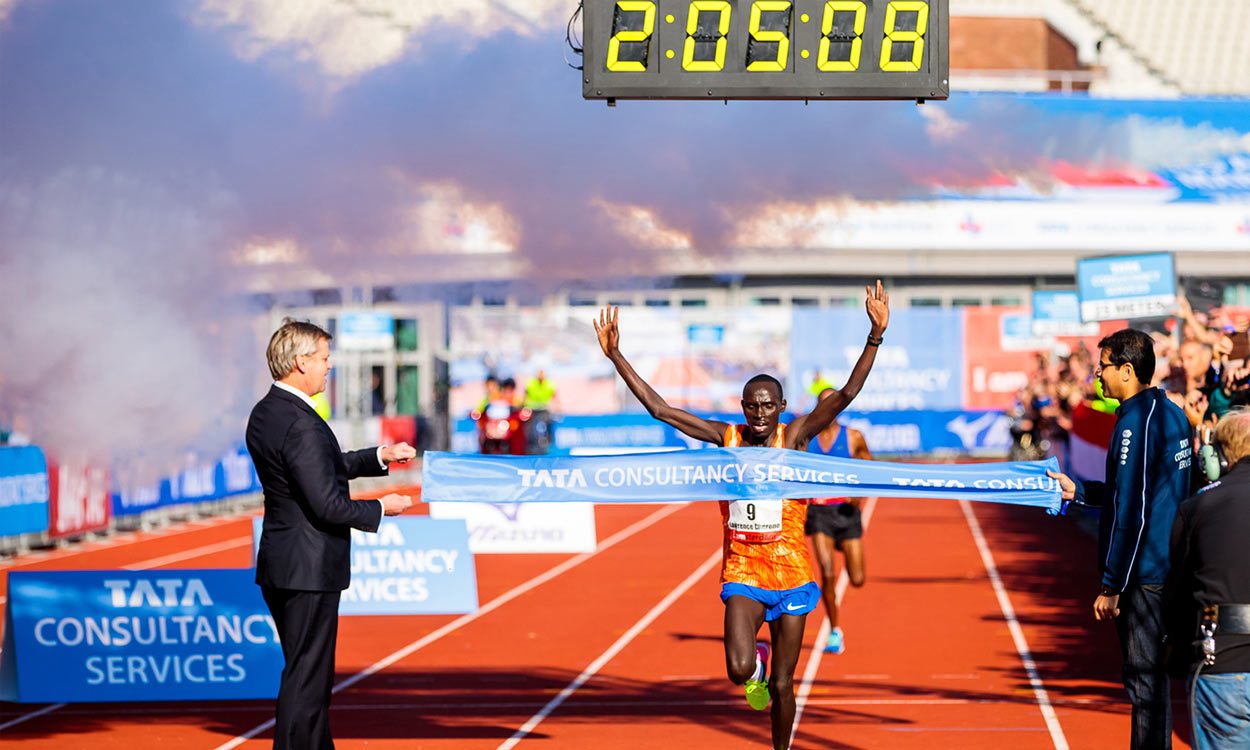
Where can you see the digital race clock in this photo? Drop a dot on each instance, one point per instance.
(765, 49)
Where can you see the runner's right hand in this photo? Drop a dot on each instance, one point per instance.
(606, 328)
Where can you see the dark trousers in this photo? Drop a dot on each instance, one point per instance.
(308, 623)
(1141, 630)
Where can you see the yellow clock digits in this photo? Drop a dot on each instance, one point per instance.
(831, 33)
(901, 36)
(637, 53)
(761, 39)
(695, 36)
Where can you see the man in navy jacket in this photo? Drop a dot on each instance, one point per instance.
(303, 564)
(1148, 467)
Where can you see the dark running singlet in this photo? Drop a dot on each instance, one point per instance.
(841, 448)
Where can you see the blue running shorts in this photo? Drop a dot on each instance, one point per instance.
(798, 601)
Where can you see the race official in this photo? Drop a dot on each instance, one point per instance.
(1148, 469)
(302, 564)
(1210, 582)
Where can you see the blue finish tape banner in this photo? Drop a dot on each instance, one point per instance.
(80, 636)
(410, 566)
(23, 491)
(726, 474)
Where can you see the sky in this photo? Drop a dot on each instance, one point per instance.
(156, 155)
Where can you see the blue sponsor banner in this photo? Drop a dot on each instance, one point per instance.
(756, 474)
(23, 491)
(582, 432)
(909, 432)
(1057, 312)
(79, 636)
(932, 432)
(411, 566)
(1218, 172)
(705, 334)
(232, 475)
(1222, 180)
(1126, 286)
(920, 365)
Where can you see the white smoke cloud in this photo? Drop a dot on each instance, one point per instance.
(119, 339)
(1173, 143)
(346, 38)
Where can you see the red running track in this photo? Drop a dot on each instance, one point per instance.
(621, 648)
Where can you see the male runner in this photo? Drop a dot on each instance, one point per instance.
(837, 523)
(765, 575)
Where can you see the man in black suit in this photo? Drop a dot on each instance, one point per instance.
(303, 563)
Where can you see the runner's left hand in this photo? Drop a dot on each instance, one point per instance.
(878, 306)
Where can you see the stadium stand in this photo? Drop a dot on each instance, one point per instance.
(1112, 48)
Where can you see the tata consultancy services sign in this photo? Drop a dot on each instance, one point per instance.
(412, 565)
(121, 635)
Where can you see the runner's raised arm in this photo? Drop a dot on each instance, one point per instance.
(804, 428)
(696, 427)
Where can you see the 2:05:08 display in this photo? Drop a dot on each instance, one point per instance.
(831, 40)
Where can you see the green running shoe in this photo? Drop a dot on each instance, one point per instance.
(757, 690)
(757, 694)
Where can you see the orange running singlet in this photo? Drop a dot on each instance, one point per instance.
(775, 565)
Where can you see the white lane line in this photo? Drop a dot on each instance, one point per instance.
(189, 554)
(448, 706)
(818, 648)
(1017, 633)
(31, 715)
(613, 650)
(207, 549)
(118, 540)
(485, 609)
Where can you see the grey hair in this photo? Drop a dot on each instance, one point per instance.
(293, 338)
(1233, 432)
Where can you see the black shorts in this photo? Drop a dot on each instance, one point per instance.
(842, 521)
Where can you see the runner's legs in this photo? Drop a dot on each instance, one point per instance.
(743, 618)
(824, 547)
(787, 635)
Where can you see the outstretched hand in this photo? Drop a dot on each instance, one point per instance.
(878, 306)
(1066, 486)
(399, 453)
(607, 330)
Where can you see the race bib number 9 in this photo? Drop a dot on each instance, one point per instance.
(755, 520)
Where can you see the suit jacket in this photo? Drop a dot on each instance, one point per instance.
(306, 539)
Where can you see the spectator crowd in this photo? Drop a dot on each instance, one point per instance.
(1202, 364)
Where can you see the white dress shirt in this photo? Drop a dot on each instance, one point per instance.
(313, 405)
